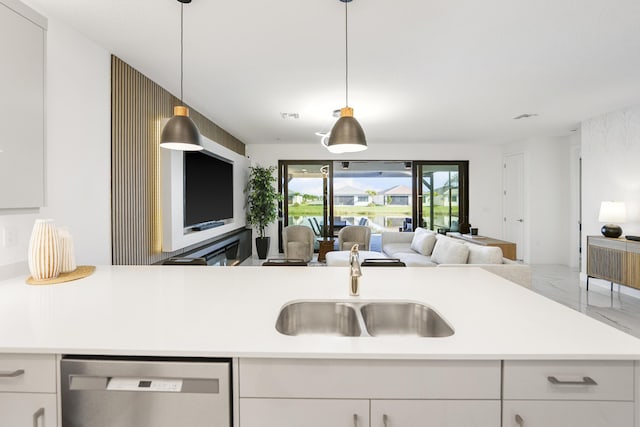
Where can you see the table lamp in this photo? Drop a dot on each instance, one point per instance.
(611, 212)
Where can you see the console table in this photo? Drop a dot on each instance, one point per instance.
(615, 260)
(508, 248)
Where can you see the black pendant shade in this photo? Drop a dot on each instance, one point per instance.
(347, 135)
(180, 132)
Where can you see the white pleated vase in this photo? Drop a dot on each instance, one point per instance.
(67, 255)
(44, 250)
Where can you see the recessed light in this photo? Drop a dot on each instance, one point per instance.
(525, 116)
(290, 115)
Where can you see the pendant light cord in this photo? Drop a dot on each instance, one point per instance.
(181, 49)
(346, 56)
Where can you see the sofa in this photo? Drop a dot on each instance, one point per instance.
(426, 248)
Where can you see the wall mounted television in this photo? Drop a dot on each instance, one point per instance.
(208, 189)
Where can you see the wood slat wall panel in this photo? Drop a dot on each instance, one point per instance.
(138, 106)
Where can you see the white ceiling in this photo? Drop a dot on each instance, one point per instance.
(420, 70)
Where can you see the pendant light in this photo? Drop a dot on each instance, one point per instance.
(347, 135)
(180, 132)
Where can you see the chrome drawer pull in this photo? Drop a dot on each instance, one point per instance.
(16, 373)
(519, 420)
(585, 381)
(384, 420)
(36, 415)
(355, 420)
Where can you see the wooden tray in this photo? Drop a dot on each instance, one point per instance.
(79, 273)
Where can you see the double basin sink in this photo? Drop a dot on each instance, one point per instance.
(361, 319)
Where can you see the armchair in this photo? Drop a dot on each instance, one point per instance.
(352, 234)
(297, 241)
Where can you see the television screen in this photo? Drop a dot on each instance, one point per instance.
(208, 188)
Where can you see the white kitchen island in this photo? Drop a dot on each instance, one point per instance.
(494, 370)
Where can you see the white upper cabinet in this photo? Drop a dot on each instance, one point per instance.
(22, 106)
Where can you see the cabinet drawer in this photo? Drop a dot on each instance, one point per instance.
(369, 379)
(472, 413)
(569, 380)
(552, 413)
(303, 412)
(28, 372)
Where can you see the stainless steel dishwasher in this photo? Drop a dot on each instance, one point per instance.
(145, 392)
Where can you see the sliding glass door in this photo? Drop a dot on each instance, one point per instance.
(383, 195)
(306, 188)
(442, 188)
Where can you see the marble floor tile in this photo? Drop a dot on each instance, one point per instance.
(562, 284)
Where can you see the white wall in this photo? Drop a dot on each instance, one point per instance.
(485, 172)
(78, 152)
(610, 169)
(547, 198)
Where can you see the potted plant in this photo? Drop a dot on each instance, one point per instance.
(262, 204)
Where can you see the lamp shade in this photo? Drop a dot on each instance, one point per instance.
(180, 133)
(612, 212)
(347, 135)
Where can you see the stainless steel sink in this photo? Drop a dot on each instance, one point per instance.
(319, 317)
(404, 318)
(361, 319)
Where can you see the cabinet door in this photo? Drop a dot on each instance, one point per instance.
(304, 412)
(28, 409)
(545, 413)
(606, 258)
(22, 49)
(632, 273)
(441, 413)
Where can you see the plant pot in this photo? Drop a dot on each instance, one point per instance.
(262, 246)
(325, 246)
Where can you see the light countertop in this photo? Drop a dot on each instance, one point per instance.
(232, 311)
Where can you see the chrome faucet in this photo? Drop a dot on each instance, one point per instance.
(356, 272)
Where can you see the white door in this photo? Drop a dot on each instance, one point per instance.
(304, 412)
(441, 413)
(514, 202)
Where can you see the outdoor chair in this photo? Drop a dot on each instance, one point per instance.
(315, 227)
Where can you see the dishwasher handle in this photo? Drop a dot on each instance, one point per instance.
(137, 384)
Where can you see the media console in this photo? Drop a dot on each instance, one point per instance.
(228, 249)
(616, 260)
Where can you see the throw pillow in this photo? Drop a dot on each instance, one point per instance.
(448, 251)
(420, 230)
(484, 254)
(423, 243)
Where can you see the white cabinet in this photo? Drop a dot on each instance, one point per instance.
(312, 392)
(22, 107)
(568, 393)
(28, 390)
(442, 413)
